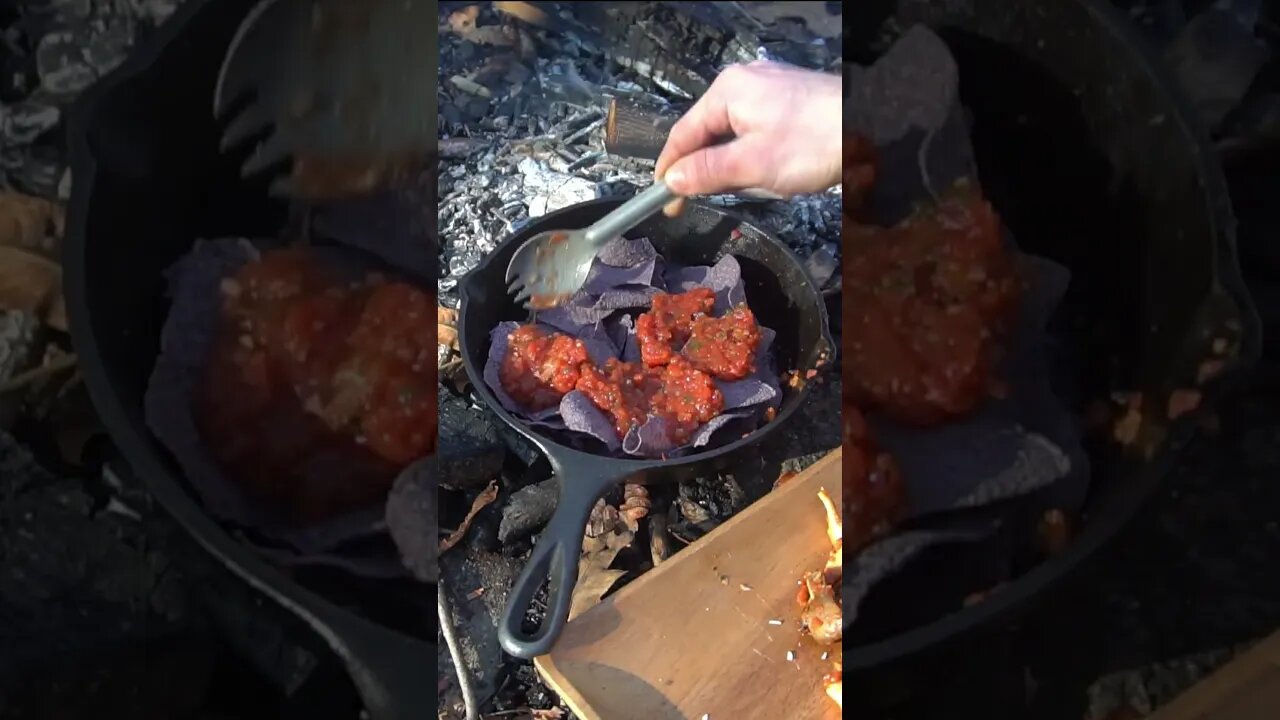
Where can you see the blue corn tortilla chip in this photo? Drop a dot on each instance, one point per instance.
(748, 392)
(600, 319)
(650, 439)
(621, 330)
(725, 278)
(590, 309)
(603, 278)
(908, 105)
(581, 415)
(624, 253)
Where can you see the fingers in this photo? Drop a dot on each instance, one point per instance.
(674, 208)
(735, 165)
(702, 125)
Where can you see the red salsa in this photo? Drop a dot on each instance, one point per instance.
(540, 367)
(318, 389)
(724, 346)
(666, 327)
(858, 171)
(873, 491)
(630, 393)
(683, 348)
(925, 303)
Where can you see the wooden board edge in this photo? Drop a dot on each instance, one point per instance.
(556, 680)
(1201, 700)
(701, 544)
(546, 666)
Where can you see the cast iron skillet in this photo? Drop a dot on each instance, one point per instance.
(780, 294)
(149, 180)
(1087, 150)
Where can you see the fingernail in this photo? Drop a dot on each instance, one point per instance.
(674, 178)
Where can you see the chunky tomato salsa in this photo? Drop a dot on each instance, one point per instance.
(318, 389)
(925, 304)
(683, 350)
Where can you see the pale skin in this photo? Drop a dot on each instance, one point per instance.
(783, 130)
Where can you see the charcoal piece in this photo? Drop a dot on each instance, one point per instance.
(22, 123)
(412, 510)
(398, 226)
(107, 49)
(17, 340)
(691, 510)
(60, 63)
(154, 11)
(528, 509)
(712, 497)
(41, 170)
(75, 576)
(822, 265)
(908, 105)
(637, 129)
(470, 471)
(464, 428)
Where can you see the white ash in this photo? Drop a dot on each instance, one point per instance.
(533, 141)
(55, 50)
(17, 336)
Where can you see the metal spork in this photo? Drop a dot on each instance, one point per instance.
(551, 266)
(338, 96)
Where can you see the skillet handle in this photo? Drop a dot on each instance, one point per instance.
(389, 670)
(555, 557)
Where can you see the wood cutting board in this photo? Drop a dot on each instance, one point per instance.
(1247, 688)
(692, 638)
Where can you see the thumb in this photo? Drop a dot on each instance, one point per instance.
(721, 168)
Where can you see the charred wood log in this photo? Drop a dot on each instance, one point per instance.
(637, 129)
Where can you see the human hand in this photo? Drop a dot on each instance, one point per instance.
(785, 123)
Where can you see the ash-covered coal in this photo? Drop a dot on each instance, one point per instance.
(53, 51)
(522, 120)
